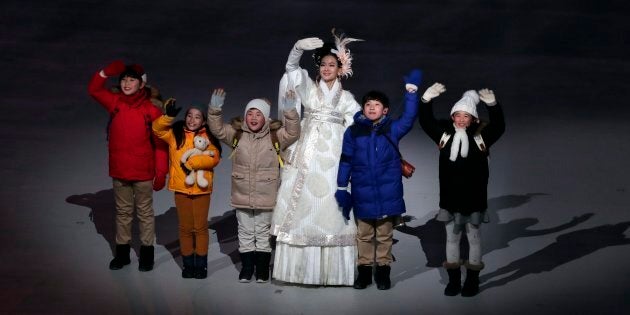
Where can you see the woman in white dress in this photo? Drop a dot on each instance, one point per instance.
(315, 244)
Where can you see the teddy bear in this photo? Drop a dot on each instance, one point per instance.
(201, 144)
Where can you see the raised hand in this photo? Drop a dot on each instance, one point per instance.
(218, 98)
(171, 109)
(487, 96)
(309, 43)
(433, 91)
(289, 100)
(115, 68)
(413, 79)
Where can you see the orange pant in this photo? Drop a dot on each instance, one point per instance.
(192, 213)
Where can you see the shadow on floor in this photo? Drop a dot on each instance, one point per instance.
(495, 235)
(566, 248)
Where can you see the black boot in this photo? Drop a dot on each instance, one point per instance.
(471, 284)
(364, 278)
(262, 266)
(382, 277)
(247, 266)
(189, 266)
(201, 267)
(454, 285)
(121, 258)
(146, 258)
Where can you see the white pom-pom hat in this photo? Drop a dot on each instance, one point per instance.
(468, 103)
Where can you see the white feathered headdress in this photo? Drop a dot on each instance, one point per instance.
(343, 53)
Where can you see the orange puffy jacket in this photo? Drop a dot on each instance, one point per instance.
(162, 129)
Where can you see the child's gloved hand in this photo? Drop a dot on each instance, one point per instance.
(413, 79)
(159, 182)
(289, 100)
(433, 91)
(115, 68)
(218, 98)
(171, 109)
(309, 43)
(487, 96)
(344, 199)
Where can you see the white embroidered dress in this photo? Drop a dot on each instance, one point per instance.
(315, 244)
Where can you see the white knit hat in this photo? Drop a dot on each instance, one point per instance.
(260, 105)
(468, 103)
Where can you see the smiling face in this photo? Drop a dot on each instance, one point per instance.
(254, 119)
(130, 85)
(374, 110)
(329, 68)
(194, 119)
(462, 119)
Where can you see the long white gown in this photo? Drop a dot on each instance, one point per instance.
(315, 244)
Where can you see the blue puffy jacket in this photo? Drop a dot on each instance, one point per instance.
(371, 164)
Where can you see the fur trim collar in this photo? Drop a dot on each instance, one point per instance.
(238, 123)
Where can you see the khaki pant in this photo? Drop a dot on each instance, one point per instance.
(375, 238)
(192, 214)
(130, 195)
(253, 230)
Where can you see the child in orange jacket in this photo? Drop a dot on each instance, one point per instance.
(191, 199)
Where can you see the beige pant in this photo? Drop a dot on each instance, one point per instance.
(130, 195)
(375, 238)
(253, 230)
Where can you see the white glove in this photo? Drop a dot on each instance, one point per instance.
(217, 99)
(309, 43)
(289, 100)
(487, 96)
(433, 91)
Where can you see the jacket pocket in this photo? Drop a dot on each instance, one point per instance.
(240, 189)
(267, 185)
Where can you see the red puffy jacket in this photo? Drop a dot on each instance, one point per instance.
(134, 152)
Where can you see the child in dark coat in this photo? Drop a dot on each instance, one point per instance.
(371, 163)
(464, 142)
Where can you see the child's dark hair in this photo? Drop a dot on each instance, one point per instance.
(178, 131)
(132, 71)
(375, 96)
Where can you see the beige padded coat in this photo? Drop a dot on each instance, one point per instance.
(255, 165)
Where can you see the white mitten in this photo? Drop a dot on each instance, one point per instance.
(433, 91)
(293, 62)
(289, 100)
(309, 43)
(217, 99)
(487, 96)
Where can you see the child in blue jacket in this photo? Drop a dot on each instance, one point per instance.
(371, 163)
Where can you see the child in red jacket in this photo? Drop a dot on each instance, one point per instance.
(138, 163)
